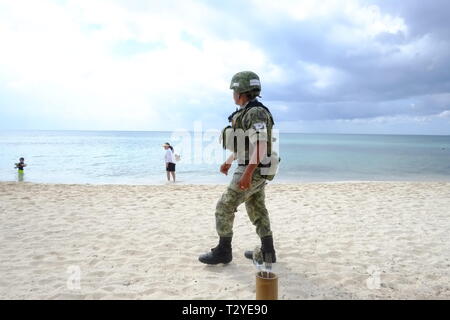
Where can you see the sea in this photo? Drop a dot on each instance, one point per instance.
(131, 157)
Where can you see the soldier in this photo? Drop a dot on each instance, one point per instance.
(248, 182)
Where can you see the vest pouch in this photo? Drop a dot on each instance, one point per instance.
(227, 138)
(269, 166)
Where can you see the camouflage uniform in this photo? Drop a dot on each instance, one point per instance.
(253, 123)
(255, 120)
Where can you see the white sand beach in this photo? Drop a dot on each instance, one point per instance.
(367, 240)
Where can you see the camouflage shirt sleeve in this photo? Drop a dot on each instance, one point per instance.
(256, 120)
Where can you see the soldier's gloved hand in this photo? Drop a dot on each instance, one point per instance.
(224, 168)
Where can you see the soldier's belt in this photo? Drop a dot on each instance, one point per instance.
(259, 165)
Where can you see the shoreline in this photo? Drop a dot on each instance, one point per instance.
(182, 183)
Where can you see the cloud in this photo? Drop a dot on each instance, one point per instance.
(356, 59)
(139, 65)
(445, 114)
(107, 60)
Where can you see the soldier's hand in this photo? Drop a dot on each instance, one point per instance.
(245, 182)
(224, 168)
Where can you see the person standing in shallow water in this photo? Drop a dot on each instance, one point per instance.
(169, 159)
(248, 182)
(20, 166)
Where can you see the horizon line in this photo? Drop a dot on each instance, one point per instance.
(281, 131)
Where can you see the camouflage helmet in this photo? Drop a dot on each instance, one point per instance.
(245, 81)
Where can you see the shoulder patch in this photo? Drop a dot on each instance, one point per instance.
(259, 126)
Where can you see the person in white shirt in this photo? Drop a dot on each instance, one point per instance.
(170, 161)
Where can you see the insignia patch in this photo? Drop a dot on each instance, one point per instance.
(255, 82)
(259, 126)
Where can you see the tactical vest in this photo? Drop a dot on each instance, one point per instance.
(269, 166)
(237, 124)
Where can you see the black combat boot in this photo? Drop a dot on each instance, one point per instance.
(267, 250)
(220, 254)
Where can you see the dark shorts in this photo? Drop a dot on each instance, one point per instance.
(170, 167)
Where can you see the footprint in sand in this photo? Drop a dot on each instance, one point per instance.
(94, 262)
(99, 274)
(129, 252)
(68, 297)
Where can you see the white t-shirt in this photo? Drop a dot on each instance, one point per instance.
(169, 156)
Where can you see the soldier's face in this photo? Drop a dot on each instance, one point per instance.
(236, 97)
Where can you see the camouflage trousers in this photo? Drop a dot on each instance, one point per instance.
(254, 199)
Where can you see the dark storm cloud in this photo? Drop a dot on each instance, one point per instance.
(385, 75)
(424, 17)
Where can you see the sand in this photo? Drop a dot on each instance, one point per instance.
(366, 240)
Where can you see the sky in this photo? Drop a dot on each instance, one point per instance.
(328, 66)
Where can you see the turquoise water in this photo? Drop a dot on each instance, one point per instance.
(104, 157)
